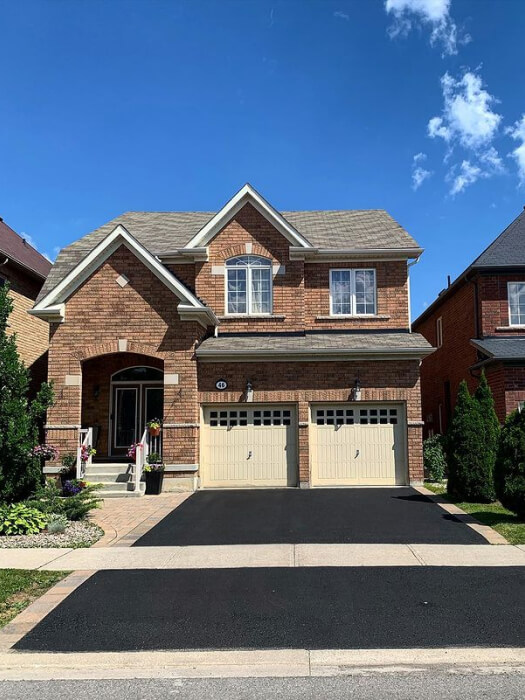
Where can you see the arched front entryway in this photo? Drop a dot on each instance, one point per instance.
(120, 393)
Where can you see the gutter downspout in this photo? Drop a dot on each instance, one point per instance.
(409, 265)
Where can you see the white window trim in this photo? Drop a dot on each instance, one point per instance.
(248, 269)
(439, 331)
(513, 325)
(352, 271)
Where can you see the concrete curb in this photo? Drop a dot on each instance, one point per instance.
(256, 663)
(485, 531)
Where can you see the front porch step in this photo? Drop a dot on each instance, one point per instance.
(121, 493)
(115, 478)
(108, 468)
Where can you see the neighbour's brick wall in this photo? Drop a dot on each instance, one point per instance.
(514, 388)
(452, 360)
(32, 334)
(494, 303)
(144, 313)
(304, 382)
(392, 296)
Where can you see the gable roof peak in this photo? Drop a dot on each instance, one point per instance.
(508, 249)
(247, 194)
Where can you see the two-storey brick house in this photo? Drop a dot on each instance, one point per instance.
(275, 346)
(25, 269)
(478, 322)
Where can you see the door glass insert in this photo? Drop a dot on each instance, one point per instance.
(154, 403)
(125, 416)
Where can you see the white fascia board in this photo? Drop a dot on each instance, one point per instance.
(319, 355)
(52, 314)
(244, 195)
(334, 254)
(119, 236)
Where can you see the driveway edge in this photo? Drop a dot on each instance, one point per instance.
(485, 531)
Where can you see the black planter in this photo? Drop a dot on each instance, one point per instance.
(154, 483)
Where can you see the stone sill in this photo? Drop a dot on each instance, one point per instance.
(345, 317)
(243, 317)
(510, 328)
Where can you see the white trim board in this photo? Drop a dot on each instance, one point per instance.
(247, 195)
(190, 308)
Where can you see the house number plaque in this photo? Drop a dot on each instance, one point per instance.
(221, 384)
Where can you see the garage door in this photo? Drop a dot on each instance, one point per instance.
(249, 446)
(358, 445)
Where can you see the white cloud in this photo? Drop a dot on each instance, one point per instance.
(492, 160)
(419, 173)
(342, 15)
(517, 132)
(468, 174)
(432, 13)
(468, 116)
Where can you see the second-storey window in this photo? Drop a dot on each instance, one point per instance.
(516, 303)
(248, 285)
(353, 292)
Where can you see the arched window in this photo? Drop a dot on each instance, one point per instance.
(138, 374)
(248, 285)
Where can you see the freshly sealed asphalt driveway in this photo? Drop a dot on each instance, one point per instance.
(313, 608)
(302, 516)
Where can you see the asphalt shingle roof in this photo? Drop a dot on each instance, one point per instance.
(509, 348)
(312, 342)
(17, 248)
(507, 249)
(164, 232)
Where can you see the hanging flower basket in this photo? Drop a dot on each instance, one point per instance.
(154, 427)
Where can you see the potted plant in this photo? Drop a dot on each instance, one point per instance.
(154, 427)
(46, 452)
(154, 474)
(68, 468)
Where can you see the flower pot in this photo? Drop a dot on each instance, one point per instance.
(154, 432)
(154, 483)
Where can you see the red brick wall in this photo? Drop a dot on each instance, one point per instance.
(494, 304)
(451, 362)
(514, 388)
(144, 312)
(392, 296)
(305, 382)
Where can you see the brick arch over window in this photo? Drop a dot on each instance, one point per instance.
(236, 251)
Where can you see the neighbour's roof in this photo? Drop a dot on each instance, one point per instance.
(508, 348)
(20, 251)
(313, 343)
(163, 232)
(507, 250)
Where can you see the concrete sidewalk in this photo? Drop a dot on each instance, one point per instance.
(272, 555)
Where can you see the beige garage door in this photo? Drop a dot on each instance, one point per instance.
(249, 446)
(358, 444)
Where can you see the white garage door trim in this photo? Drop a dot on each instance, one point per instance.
(358, 444)
(249, 445)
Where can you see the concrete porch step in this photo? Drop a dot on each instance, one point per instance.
(121, 493)
(108, 468)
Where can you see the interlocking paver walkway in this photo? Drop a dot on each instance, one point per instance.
(124, 520)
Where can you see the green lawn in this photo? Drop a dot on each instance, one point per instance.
(20, 588)
(493, 514)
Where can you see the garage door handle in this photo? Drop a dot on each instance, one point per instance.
(357, 453)
(249, 454)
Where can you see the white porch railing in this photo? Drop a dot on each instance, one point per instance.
(148, 444)
(85, 442)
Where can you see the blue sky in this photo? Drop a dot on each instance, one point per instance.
(113, 106)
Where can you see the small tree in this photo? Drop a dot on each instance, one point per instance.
(434, 458)
(510, 464)
(469, 478)
(491, 426)
(20, 420)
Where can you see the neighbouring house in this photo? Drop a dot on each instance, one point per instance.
(478, 322)
(25, 269)
(275, 346)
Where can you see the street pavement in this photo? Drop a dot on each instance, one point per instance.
(430, 685)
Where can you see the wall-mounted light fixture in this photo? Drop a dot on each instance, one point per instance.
(357, 389)
(249, 391)
(96, 391)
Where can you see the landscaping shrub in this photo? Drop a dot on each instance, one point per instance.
(20, 519)
(20, 420)
(56, 523)
(491, 426)
(470, 469)
(434, 458)
(510, 464)
(49, 499)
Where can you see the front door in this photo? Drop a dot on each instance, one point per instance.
(133, 406)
